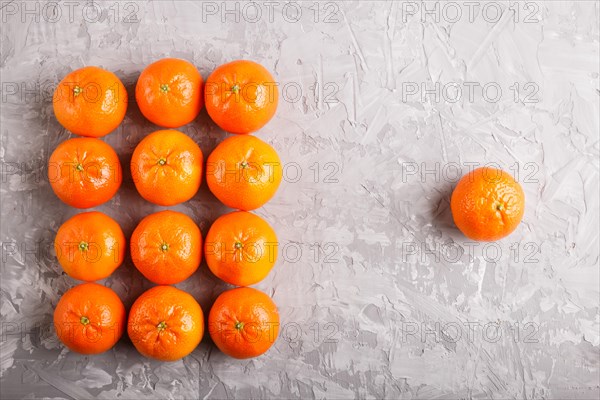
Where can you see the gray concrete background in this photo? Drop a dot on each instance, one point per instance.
(380, 296)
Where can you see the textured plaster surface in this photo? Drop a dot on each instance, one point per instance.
(380, 295)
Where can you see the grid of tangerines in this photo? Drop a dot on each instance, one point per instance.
(243, 172)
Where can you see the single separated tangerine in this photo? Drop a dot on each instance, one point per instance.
(487, 204)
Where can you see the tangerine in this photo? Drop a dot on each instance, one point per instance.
(165, 323)
(243, 322)
(166, 167)
(487, 204)
(243, 172)
(89, 318)
(241, 96)
(90, 102)
(169, 92)
(84, 172)
(166, 247)
(241, 248)
(90, 246)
